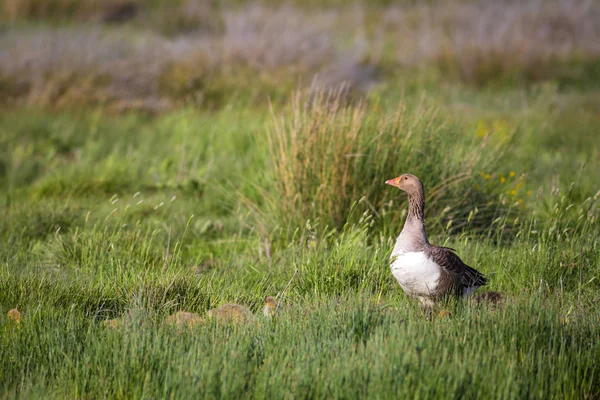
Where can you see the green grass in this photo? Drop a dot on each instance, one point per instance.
(248, 190)
(89, 203)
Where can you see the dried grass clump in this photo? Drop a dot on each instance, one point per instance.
(489, 40)
(325, 156)
(183, 319)
(14, 315)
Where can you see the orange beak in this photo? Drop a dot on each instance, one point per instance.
(393, 182)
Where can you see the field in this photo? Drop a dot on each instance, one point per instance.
(158, 157)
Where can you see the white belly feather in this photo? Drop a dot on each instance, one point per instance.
(416, 273)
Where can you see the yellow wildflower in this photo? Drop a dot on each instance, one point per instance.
(501, 129)
(511, 174)
(481, 130)
(513, 192)
(502, 178)
(529, 193)
(519, 185)
(488, 176)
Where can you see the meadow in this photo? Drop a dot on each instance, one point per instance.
(176, 156)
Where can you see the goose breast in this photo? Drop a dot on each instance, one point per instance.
(417, 274)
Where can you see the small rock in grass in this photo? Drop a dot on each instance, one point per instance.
(14, 315)
(184, 319)
(131, 317)
(113, 323)
(231, 313)
(270, 307)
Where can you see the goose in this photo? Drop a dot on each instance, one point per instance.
(425, 271)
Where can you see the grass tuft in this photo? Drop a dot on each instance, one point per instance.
(326, 155)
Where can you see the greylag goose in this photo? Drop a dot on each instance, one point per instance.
(423, 270)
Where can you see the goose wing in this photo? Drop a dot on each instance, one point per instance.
(446, 258)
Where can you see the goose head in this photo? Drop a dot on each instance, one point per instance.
(408, 183)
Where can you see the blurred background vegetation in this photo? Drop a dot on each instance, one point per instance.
(152, 55)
